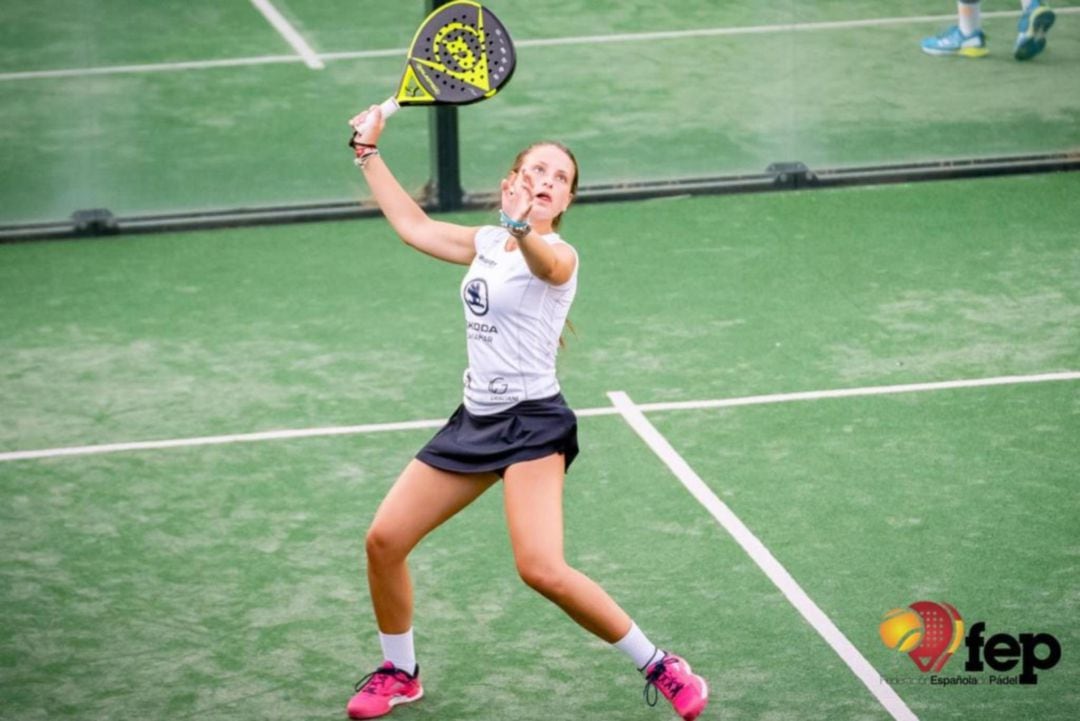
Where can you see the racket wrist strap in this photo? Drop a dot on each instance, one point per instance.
(517, 228)
(358, 146)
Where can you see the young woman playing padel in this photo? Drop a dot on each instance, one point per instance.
(514, 424)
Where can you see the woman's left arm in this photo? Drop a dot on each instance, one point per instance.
(552, 264)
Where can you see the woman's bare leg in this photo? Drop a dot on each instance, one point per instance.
(420, 500)
(534, 516)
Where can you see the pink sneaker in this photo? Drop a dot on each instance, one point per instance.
(383, 689)
(686, 691)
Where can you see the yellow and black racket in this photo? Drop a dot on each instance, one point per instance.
(461, 54)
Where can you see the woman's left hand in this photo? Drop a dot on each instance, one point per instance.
(517, 196)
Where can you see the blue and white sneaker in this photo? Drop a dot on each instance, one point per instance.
(954, 42)
(1034, 23)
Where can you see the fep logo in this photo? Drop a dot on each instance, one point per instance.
(931, 632)
(928, 632)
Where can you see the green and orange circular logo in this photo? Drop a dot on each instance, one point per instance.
(927, 631)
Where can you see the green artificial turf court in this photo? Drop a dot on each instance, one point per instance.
(150, 108)
(197, 428)
(225, 580)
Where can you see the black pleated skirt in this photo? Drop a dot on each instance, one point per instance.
(483, 444)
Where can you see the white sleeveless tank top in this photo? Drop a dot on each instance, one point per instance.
(512, 324)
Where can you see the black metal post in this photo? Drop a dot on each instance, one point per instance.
(445, 158)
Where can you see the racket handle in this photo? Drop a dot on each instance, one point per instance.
(388, 108)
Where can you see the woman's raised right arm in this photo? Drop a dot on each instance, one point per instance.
(445, 241)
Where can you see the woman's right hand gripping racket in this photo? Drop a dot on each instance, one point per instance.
(461, 54)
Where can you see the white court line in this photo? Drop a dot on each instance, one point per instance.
(287, 31)
(538, 42)
(762, 29)
(221, 440)
(605, 411)
(763, 558)
(152, 68)
(867, 391)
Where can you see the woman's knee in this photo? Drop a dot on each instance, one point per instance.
(546, 576)
(383, 545)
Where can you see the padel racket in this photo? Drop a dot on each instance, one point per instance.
(461, 54)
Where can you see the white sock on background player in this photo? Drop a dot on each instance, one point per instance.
(969, 16)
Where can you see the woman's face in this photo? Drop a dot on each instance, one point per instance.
(551, 172)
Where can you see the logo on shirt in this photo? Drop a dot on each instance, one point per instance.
(480, 331)
(476, 296)
(498, 386)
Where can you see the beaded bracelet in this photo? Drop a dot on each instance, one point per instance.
(363, 153)
(517, 228)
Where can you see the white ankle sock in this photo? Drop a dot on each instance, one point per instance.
(969, 16)
(638, 647)
(398, 649)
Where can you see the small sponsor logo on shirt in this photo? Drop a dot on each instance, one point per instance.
(476, 296)
(484, 260)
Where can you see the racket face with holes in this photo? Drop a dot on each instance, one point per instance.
(461, 54)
